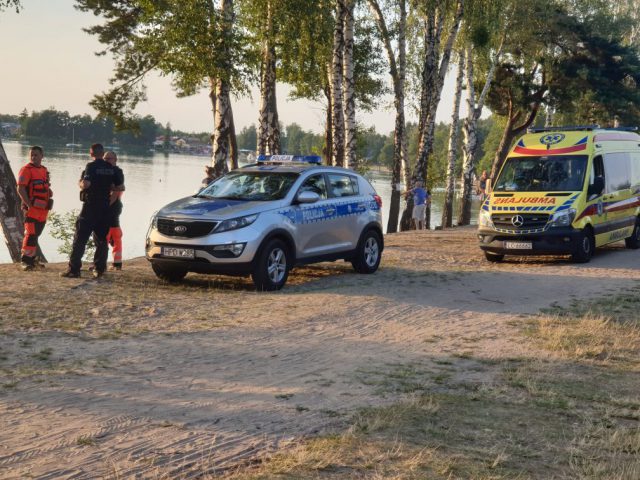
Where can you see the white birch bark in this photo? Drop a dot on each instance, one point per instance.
(268, 122)
(454, 132)
(349, 88)
(397, 70)
(470, 131)
(337, 116)
(11, 217)
(433, 76)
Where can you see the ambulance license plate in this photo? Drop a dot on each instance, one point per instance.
(518, 245)
(188, 253)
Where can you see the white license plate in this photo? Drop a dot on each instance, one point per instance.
(178, 252)
(518, 245)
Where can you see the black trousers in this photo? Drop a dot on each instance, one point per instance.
(96, 223)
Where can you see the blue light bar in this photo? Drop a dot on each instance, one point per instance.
(315, 159)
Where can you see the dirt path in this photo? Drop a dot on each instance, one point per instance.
(127, 377)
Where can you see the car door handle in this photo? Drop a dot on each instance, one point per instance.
(330, 211)
(362, 205)
(607, 197)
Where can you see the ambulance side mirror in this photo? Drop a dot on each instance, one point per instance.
(597, 187)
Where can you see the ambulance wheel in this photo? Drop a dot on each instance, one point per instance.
(494, 257)
(633, 241)
(368, 253)
(171, 275)
(272, 266)
(584, 248)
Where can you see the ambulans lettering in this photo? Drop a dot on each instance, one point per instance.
(541, 200)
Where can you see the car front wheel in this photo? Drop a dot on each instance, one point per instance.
(171, 275)
(368, 253)
(272, 267)
(584, 247)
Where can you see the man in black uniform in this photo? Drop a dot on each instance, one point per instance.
(98, 180)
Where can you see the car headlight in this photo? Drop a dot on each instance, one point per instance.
(235, 223)
(484, 219)
(563, 218)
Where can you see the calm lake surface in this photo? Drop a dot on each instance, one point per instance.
(151, 182)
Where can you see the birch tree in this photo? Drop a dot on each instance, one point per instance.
(11, 216)
(475, 105)
(337, 112)
(349, 87)
(447, 209)
(192, 41)
(397, 70)
(435, 64)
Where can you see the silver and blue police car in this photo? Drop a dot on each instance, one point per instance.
(264, 219)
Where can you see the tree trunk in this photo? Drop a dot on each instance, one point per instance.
(11, 216)
(222, 129)
(470, 129)
(337, 117)
(328, 142)
(447, 211)
(349, 88)
(268, 123)
(233, 141)
(433, 76)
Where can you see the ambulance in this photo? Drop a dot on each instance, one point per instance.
(564, 191)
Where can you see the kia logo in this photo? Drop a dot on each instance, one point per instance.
(180, 229)
(517, 221)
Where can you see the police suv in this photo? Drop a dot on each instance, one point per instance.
(263, 219)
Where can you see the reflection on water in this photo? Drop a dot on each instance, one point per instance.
(151, 182)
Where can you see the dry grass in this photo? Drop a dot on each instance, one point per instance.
(572, 416)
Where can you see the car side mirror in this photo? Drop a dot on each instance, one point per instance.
(307, 197)
(597, 187)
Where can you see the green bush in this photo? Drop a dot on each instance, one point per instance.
(63, 226)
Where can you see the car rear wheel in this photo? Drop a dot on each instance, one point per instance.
(493, 257)
(368, 253)
(585, 245)
(272, 267)
(171, 275)
(633, 241)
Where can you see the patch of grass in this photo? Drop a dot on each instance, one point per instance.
(43, 355)
(395, 378)
(284, 396)
(85, 441)
(605, 330)
(301, 408)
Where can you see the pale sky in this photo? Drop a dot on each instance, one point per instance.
(47, 60)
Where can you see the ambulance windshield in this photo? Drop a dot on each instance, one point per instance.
(557, 173)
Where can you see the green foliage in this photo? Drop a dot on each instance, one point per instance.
(10, 3)
(184, 39)
(57, 125)
(62, 227)
(248, 138)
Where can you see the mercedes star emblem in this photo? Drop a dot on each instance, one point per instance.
(517, 220)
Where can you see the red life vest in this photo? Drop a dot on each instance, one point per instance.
(36, 180)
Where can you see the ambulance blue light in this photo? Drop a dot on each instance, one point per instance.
(314, 159)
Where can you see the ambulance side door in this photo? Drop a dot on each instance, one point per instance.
(619, 212)
(600, 215)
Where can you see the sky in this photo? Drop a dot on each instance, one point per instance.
(47, 60)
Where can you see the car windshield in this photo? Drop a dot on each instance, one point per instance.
(542, 174)
(258, 186)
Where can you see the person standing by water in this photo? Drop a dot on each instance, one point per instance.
(482, 186)
(114, 237)
(420, 199)
(34, 189)
(96, 183)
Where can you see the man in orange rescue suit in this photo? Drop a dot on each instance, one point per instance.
(35, 192)
(114, 237)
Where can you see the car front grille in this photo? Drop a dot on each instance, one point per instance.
(185, 228)
(525, 221)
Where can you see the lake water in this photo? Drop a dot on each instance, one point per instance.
(151, 181)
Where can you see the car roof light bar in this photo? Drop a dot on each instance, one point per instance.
(313, 159)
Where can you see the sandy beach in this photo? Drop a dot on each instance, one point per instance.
(127, 377)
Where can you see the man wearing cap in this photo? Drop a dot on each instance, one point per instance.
(97, 181)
